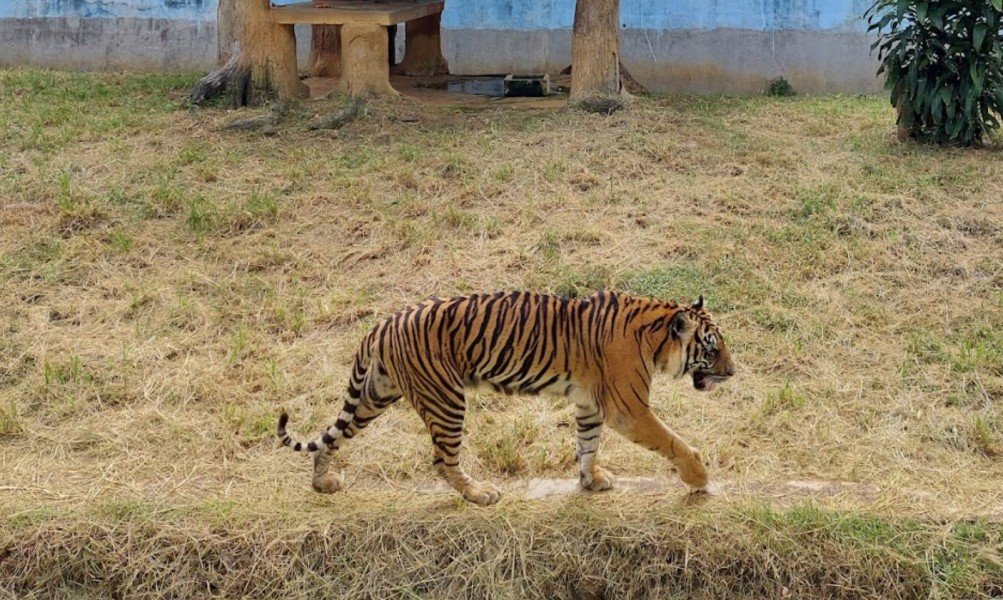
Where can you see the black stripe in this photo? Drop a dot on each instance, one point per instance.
(361, 422)
(477, 339)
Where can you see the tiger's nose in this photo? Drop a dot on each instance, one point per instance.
(729, 369)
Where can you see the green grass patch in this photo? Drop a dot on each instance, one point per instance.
(46, 110)
(11, 423)
(674, 281)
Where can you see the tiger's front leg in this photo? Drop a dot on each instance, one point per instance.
(589, 421)
(646, 429)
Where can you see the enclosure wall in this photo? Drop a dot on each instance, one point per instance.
(703, 46)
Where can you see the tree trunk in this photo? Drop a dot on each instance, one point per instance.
(628, 84)
(325, 51)
(261, 57)
(269, 51)
(230, 30)
(595, 51)
(901, 129)
(423, 48)
(361, 75)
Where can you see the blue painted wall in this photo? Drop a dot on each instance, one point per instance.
(665, 15)
(698, 46)
(183, 10)
(520, 15)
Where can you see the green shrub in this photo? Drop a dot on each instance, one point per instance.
(779, 87)
(943, 63)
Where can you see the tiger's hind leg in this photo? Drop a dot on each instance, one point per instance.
(444, 420)
(378, 393)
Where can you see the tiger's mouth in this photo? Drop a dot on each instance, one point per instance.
(706, 382)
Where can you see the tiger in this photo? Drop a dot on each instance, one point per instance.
(599, 351)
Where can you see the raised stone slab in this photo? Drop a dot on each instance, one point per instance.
(544, 489)
(846, 493)
(537, 489)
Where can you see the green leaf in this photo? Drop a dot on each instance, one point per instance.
(903, 6)
(956, 129)
(987, 118)
(980, 34)
(997, 4)
(919, 97)
(921, 9)
(938, 17)
(944, 97)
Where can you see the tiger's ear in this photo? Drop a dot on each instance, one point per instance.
(681, 325)
(698, 305)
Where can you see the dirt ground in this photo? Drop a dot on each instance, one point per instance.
(433, 92)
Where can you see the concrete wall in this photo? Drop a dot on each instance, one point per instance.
(113, 34)
(731, 46)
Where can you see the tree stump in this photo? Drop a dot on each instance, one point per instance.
(423, 48)
(270, 52)
(325, 51)
(262, 57)
(364, 68)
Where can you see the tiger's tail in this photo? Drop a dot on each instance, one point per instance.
(331, 435)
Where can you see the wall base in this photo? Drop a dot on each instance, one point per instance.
(728, 61)
(721, 61)
(134, 44)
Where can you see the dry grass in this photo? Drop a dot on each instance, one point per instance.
(165, 288)
(425, 548)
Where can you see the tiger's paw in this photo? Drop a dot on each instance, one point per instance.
(708, 489)
(328, 483)
(694, 473)
(601, 480)
(481, 492)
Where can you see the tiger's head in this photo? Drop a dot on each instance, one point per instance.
(704, 355)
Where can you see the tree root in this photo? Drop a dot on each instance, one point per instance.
(265, 123)
(231, 76)
(627, 81)
(356, 108)
(604, 105)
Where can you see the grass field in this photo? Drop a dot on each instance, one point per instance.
(166, 288)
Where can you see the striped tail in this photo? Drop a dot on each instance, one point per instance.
(331, 436)
(334, 433)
